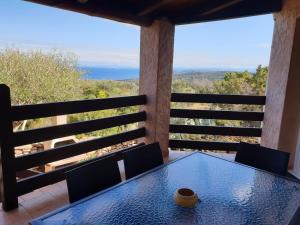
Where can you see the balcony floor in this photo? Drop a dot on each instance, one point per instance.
(49, 198)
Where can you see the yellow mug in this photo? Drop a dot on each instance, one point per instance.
(186, 197)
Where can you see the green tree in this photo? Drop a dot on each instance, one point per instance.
(234, 83)
(36, 77)
(244, 83)
(259, 80)
(102, 94)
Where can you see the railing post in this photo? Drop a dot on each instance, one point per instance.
(8, 181)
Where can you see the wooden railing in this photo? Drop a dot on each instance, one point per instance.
(214, 115)
(11, 188)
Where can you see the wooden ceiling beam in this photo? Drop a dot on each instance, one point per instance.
(151, 8)
(220, 7)
(143, 13)
(230, 10)
(201, 9)
(103, 10)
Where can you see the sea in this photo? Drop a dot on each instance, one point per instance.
(108, 73)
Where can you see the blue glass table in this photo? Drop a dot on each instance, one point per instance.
(230, 194)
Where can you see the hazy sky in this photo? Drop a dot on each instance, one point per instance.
(240, 43)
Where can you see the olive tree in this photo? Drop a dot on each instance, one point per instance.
(37, 77)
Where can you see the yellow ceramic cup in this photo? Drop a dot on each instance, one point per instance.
(186, 197)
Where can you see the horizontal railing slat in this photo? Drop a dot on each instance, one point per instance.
(41, 158)
(213, 130)
(214, 114)
(30, 184)
(23, 112)
(216, 98)
(203, 145)
(49, 133)
(64, 108)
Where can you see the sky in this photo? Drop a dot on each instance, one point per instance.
(238, 43)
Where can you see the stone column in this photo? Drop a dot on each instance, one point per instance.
(282, 111)
(156, 63)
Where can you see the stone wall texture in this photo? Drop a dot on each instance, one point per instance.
(156, 64)
(282, 111)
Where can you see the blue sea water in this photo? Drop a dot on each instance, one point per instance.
(106, 73)
(101, 73)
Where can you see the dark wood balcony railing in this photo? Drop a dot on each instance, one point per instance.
(11, 187)
(10, 164)
(217, 115)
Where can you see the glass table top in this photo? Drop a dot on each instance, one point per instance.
(230, 194)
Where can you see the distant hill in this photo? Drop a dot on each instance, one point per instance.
(196, 75)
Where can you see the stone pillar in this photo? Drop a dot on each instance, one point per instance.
(156, 64)
(282, 111)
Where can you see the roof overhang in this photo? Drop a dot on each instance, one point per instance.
(144, 12)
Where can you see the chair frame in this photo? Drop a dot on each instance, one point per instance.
(137, 160)
(92, 177)
(271, 160)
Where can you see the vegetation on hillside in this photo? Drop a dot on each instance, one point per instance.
(106, 89)
(36, 77)
(243, 83)
(195, 75)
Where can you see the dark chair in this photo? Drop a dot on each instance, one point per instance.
(271, 160)
(92, 177)
(141, 159)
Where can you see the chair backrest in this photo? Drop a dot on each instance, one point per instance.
(141, 159)
(271, 160)
(92, 177)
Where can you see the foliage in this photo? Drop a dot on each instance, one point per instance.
(106, 89)
(196, 75)
(243, 83)
(36, 77)
(240, 83)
